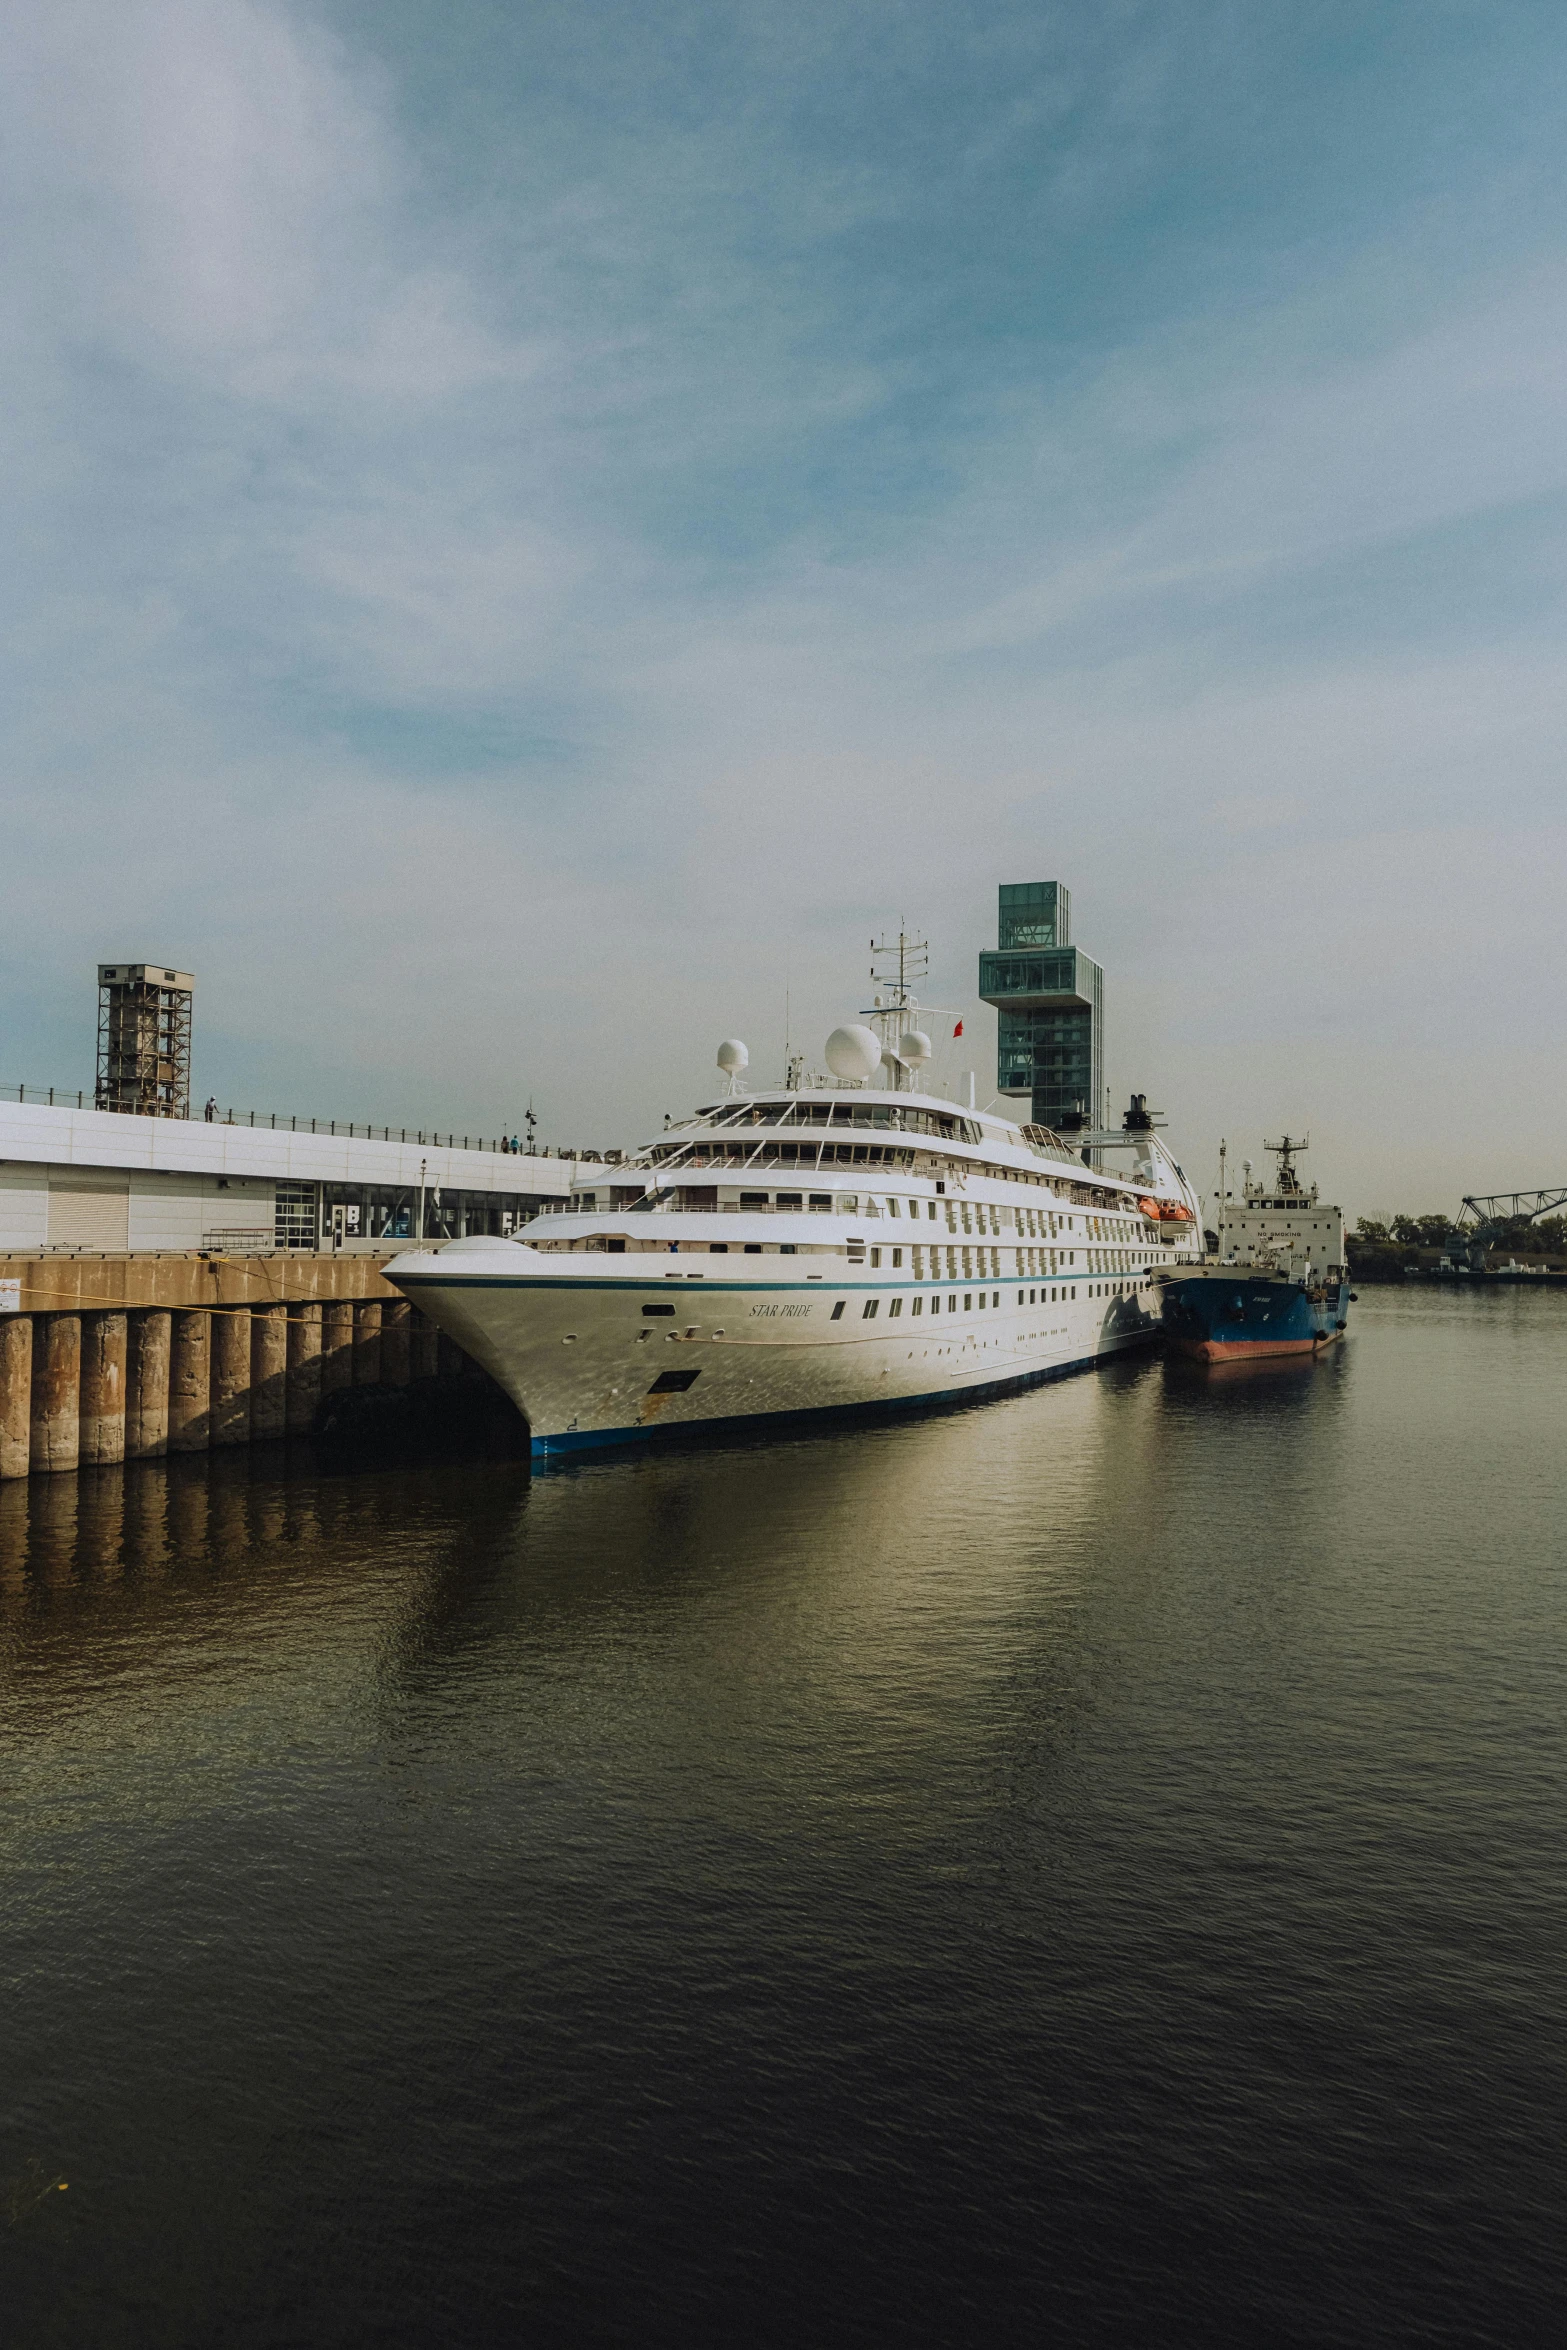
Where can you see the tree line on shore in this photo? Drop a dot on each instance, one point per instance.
(1373, 1236)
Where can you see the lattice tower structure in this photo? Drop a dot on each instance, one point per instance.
(144, 1027)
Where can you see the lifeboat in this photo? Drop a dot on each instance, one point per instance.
(1164, 1211)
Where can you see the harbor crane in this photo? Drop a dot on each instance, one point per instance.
(1496, 1211)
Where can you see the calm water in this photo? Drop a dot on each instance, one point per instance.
(1087, 1869)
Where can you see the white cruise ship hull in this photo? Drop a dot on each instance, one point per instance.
(599, 1351)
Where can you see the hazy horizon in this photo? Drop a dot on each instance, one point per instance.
(534, 533)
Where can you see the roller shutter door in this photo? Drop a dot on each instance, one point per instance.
(89, 1207)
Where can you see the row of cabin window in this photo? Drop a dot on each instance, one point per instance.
(1063, 1293)
(872, 1306)
(1037, 1223)
(917, 1264)
(980, 1215)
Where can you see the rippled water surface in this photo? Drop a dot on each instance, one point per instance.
(1091, 1868)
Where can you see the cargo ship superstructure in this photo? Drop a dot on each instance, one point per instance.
(1277, 1281)
(845, 1242)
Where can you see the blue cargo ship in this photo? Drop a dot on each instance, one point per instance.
(1277, 1280)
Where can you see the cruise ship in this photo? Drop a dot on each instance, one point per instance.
(843, 1243)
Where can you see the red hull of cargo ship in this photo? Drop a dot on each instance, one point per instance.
(1247, 1350)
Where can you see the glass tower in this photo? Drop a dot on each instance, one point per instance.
(1049, 1000)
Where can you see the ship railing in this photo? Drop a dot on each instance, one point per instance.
(645, 1206)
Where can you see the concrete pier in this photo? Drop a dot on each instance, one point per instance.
(104, 1343)
(367, 1343)
(190, 1382)
(394, 1343)
(304, 1368)
(147, 1386)
(424, 1348)
(57, 1382)
(115, 1358)
(230, 1376)
(337, 1344)
(268, 1373)
(16, 1394)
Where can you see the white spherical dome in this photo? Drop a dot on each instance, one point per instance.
(915, 1046)
(733, 1057)
(854, 1052)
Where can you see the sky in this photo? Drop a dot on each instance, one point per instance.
(533, 531)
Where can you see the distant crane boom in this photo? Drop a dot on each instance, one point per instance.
(1494, 1211)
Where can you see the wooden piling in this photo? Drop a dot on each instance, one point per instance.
(147, 1386)
(190, 1381)
(16, 1393)
(103, 1387)
(57, 1383)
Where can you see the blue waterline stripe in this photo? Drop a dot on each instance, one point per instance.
(728, 1287)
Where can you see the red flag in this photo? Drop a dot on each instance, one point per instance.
(957, 1032)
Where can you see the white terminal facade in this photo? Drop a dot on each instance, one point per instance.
(99, 1181)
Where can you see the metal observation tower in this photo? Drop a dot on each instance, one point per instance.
(144, 1040)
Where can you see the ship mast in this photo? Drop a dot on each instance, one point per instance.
(895, 966)
(1286, 1182)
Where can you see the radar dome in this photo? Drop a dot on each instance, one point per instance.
(915, 1046)
(854, 1053)
(733, 1057)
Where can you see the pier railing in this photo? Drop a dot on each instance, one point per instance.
(57, 1097)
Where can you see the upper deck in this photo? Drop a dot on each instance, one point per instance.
(819, 1134)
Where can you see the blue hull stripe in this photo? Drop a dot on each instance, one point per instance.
(719, 1284)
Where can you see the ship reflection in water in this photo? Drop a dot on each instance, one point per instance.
(1085, 1868)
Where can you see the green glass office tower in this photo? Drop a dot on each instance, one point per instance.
(1049, 999)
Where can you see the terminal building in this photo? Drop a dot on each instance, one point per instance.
(1049, 1002)
(105, 1181)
